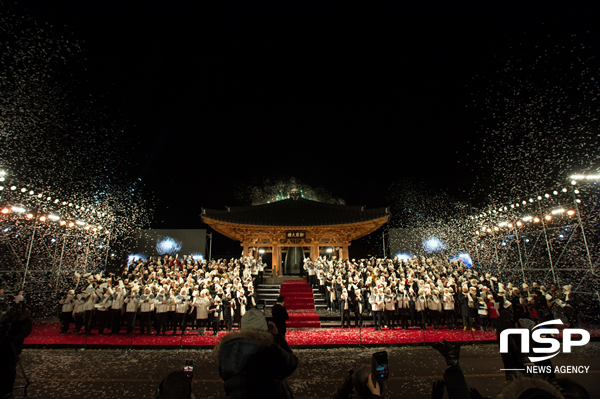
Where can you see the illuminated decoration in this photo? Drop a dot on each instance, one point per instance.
(464, 257)
(433, 244)
(135, 257)
(404, 256)
(197, 257)
(168, 245)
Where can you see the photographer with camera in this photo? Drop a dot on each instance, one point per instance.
(359, 384)
(15, 326)
(256, 361)
(176, 385)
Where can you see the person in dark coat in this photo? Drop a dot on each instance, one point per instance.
(280, 315)
(255, 362)
(19, 330)
(228, 310)
(214, 314)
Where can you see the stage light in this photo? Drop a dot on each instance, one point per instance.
(578, 201)
(554, 212)
(573, 182)
(489, 230)
(510, 225)
(54, 217)
(71, 224)
(527, 218)
(53, 240)
(536, 220)
(570, 213)
(530, 199)
(539, 197)
(23, 189)
(548, 217)
(31, 192)
(547, 195)
(40, 195)
(329, 250)
(18, 209)
(5, 210)
(519, 223)
(576, 191)
(13, 188)
(261, 251)
(564, 190)
(404, 256)
(524, 202)
(42, 218)
(555, 192)
(62, 223)
(80, 223)
(29, 216)
(512, 205)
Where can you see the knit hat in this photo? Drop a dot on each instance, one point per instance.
(254, 320)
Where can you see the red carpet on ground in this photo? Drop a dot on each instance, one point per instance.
(48, 335)
(300, 304)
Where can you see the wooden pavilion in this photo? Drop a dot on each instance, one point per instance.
(295, 222)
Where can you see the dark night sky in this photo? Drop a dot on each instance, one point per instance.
(341, 96)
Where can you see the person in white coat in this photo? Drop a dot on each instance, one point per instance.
(377, 305)
(116, 309)
(201, 304)
(79, 312)
(132, 302)
(161, 302)
(67, 310)
(389, 300)
(181, 310)
(146, 309)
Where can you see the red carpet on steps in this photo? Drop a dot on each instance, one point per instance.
(300, 304)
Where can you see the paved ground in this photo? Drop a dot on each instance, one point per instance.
(136, 374)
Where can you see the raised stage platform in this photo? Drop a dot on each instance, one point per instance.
(47, 335)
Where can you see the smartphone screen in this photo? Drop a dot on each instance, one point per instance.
(379, 366)
(188, 367)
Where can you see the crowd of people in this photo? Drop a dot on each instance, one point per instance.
(434, 292)
(164, 295)
(169, 294)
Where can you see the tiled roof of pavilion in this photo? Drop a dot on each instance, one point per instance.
(295, 213)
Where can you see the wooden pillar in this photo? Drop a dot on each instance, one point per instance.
(345, 254)
(279, 258)
(246, 249)
(275, 259)
(314, 251)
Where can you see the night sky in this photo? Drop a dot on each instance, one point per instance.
(212, 98)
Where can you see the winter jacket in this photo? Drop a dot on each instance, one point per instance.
(255, 364)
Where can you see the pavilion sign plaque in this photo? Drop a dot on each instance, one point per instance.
(296, 234)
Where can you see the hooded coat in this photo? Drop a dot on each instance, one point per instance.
(255, 364)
